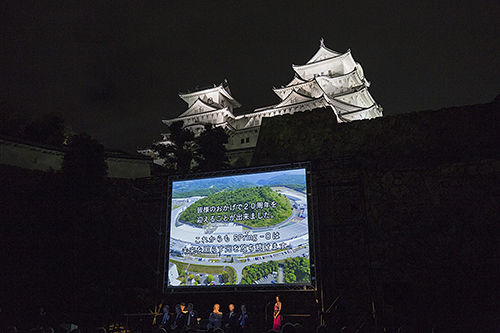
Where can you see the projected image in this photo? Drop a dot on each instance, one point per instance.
(240, 230)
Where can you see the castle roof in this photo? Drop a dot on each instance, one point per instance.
(211, 92)
(338, 65)
(344, 107)
(296, 80)
(323, 53)
(359, 97)
(342, 84)
(194, 117)
(311, 87)
(294, 98)
(331, 85)
(200, 106)
(341, 77)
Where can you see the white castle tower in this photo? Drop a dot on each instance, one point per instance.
(212, 105)
(328, 79)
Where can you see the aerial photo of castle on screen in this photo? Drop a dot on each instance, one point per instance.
(240, 230)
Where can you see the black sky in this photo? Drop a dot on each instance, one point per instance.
(114, 68)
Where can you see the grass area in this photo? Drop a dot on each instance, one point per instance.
(181, 266)
(232, 274)
(193, 268)
(205, 269)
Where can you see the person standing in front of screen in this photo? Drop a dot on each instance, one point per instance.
(277, 315)
(245, 321)
(215, 318)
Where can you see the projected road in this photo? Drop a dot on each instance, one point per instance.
(214, 242)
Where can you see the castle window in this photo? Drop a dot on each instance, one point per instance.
(242, 141)
(248, 140)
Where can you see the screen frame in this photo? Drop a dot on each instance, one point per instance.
(311, 285)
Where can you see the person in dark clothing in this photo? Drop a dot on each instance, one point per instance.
(230, 321)
(166, 319)
(178, 321)
(191, 317)
(245, 319)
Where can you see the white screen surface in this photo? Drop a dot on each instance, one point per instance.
(240, 230)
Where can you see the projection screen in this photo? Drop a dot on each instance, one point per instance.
(236, 230)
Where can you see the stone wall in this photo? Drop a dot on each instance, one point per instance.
(418, 138)
(433, 235)
(408, 209)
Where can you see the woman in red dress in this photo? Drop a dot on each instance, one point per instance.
(277, 315)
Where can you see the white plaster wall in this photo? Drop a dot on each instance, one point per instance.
(29, 157)
(43, 159)
(128, 168)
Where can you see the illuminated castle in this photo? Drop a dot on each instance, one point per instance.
(328, 79)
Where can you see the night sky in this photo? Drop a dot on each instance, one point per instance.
(115, 68)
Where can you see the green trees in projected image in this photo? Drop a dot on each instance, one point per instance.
(255, 272)
(296, 270)
(225, 277)
(246, 212)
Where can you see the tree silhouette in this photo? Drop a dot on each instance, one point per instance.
(211, 152)
(47, 128)
(84, 167)
(183, 152)
(179, 150)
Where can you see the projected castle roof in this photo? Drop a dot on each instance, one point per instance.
(328, 80)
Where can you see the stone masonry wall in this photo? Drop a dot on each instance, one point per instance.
(433, 236)
(416, 226)
(418, 138)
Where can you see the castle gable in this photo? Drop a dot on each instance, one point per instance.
(306, 88)
(323, 53)
(339, 84)
(294, 98)
(361, 98)
(296, 80)
(198, 107)
(220, 95)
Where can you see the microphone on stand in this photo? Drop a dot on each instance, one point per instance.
(267, 311)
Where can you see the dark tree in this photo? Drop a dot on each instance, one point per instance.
(12, 123)
(179, 150)
(212, 153)
(183, 152)
(47, 128)
(84, 166)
